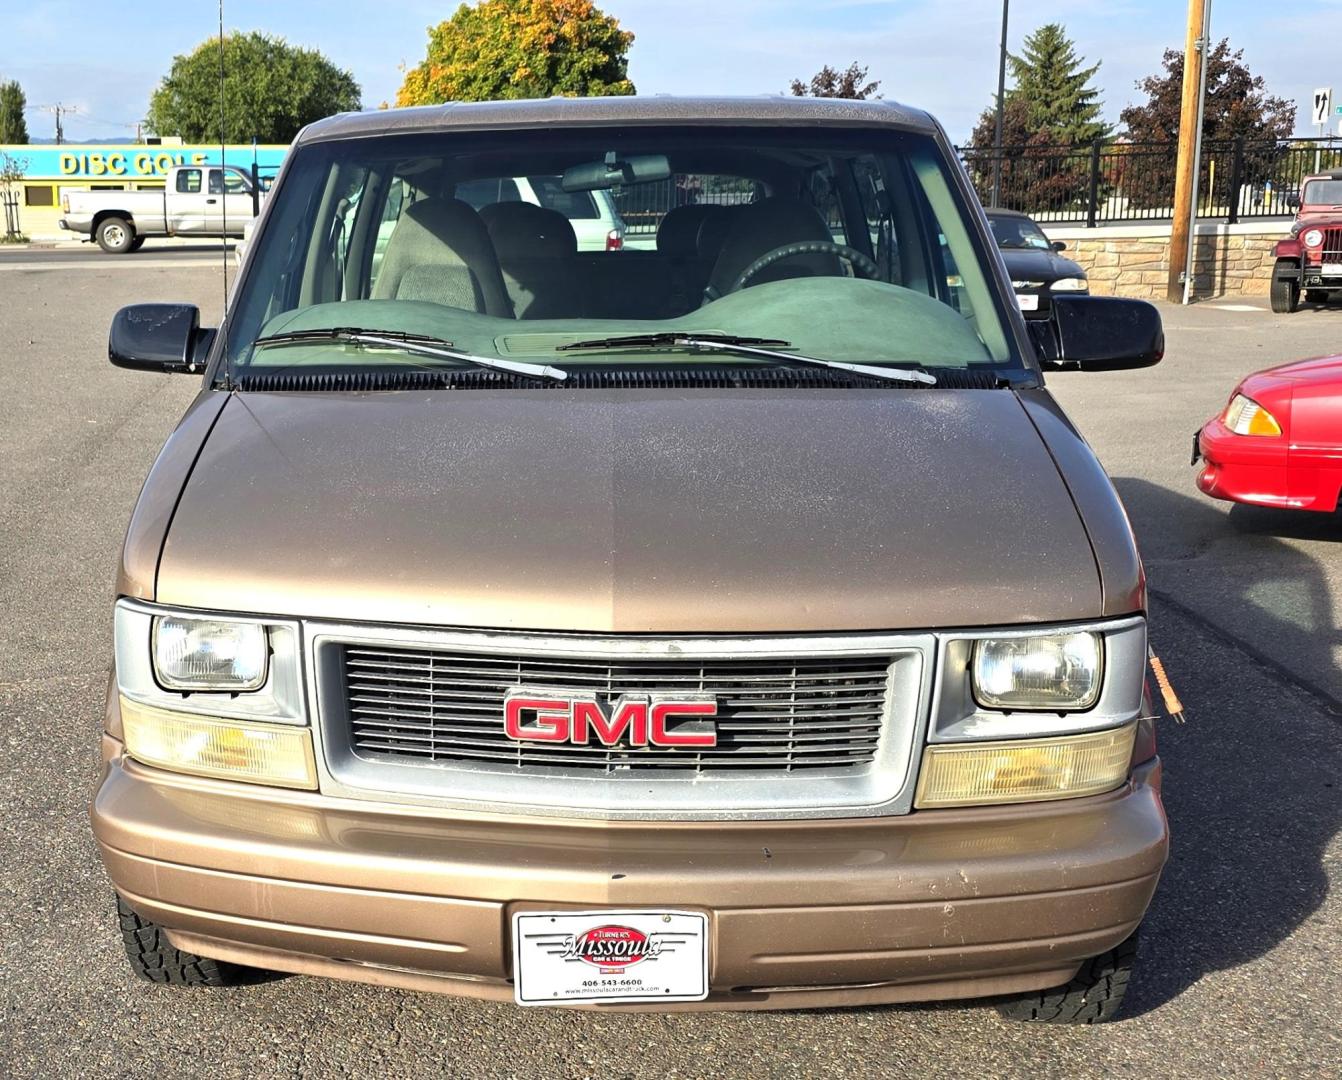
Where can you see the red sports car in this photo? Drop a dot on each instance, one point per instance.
(1279, 440)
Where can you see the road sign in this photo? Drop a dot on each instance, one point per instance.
(1323, 104)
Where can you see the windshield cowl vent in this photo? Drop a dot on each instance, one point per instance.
(710, 378)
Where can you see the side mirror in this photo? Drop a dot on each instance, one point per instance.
(159, 337)
(1098, 333)
(1059, 245)
(1293, 201)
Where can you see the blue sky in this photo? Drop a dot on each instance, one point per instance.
(938, 54)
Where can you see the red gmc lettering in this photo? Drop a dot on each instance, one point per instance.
(550, 719)
(696, 736)
(630, 720)
(626, 714)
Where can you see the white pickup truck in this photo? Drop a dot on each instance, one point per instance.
(196, 200)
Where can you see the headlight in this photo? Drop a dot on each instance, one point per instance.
(1312, 238)
(1244, 416)
(209, 654)
(228, 749)
(1070, 284)
(1025, 770)
(1055, 672)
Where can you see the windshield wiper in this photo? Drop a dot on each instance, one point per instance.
(747, 346)
(669, 338)
(416, 344)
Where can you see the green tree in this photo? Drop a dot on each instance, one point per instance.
(838, 84)
(521, 49)
(1050, 78)
(1237, 106)
(13, 127)
(1050, 112)
(271, 89)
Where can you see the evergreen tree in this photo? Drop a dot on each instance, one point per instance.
(1056, 88)
(13, 126)
(1049, 114)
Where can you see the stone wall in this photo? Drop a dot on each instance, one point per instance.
(1127, 260)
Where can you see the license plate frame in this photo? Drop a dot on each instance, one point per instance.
(1028, 301)
(549, 968)
(1331, 269)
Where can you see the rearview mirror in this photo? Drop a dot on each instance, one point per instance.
(615, 171)
(1098, 333)
(159, 337)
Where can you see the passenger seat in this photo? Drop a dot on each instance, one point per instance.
(536, 249)
(440, 251)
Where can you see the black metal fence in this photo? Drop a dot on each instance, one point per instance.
(1123, 182)
(642, 206)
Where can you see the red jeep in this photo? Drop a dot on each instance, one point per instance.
(1311, 257)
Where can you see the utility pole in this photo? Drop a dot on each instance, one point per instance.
(1186, 168)
(60, 110)
(1001, 104)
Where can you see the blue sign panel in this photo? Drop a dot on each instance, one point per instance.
(133, 161)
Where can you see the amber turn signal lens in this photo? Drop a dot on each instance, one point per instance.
(1244, 416)
(1024, 770)
(227, 749)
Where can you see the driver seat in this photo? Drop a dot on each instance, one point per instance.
(758, 228)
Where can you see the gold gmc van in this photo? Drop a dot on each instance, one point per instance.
(729, 621)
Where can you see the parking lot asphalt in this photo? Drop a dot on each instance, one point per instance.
(1240, 970)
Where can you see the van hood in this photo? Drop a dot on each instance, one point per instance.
(729, 511)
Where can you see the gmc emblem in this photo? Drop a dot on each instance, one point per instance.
(557, 716)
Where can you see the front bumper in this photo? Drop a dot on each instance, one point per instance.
(1260, 471)
(936, 904)
(1036, 302)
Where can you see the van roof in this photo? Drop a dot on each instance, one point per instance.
(766, 110)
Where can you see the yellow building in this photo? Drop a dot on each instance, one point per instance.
(46, 171)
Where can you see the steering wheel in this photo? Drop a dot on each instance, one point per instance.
(863, 265)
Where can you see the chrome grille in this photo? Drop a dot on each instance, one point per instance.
(821, 715)
(1332, 245)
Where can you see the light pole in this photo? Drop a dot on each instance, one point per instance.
(1001, 104)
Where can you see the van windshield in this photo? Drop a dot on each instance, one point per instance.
(847, 245)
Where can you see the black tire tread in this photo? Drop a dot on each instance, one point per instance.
(1284, 294)
(1094, 996)
(153, 958)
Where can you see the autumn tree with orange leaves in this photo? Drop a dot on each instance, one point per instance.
(521, 49)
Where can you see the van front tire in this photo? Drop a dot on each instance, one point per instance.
(115, 235)
(1094, 996)
(153, 958)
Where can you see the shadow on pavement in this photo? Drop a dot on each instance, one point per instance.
(1295, 524)
(1251, 781)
